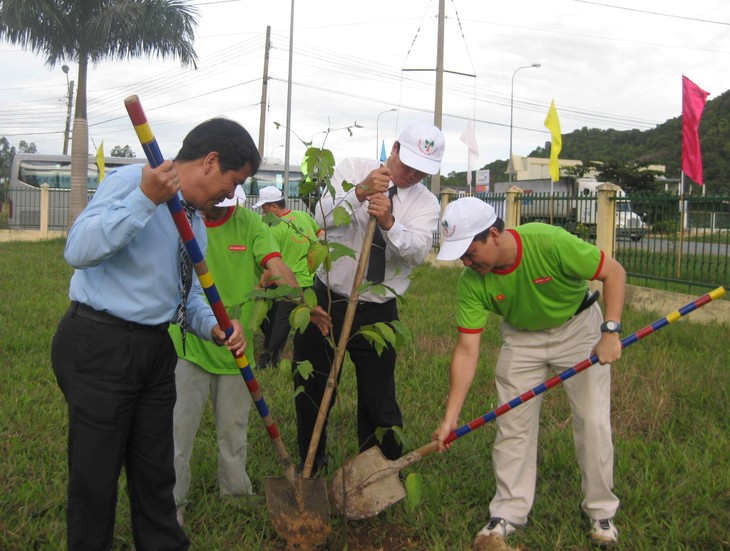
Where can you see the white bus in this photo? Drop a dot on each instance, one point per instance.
(29, 171)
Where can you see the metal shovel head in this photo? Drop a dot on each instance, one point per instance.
(366, 485)
(299, 509)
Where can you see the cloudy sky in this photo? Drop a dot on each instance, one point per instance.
(607, 64)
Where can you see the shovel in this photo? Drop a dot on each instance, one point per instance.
(369, 483)
(299, 512)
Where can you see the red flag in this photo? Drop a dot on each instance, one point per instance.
(693, 103)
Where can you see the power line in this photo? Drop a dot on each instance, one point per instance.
(652, 12)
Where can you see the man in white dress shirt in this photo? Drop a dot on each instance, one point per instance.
(407, 215)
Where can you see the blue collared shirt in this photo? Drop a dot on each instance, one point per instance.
(125, 252)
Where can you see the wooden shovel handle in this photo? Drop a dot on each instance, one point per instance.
(415, 456)
(341, 346)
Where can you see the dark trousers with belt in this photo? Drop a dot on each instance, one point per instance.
(376, 399)
(119, 383)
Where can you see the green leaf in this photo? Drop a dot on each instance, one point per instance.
(338, 250)
(299, 318)
(399, 435)
(304, 369)
(299, 390)
(260, 309)
(374, 338)
(316, 256)
(414, 490)
(310, 298)
(402, 331)
(380, 433)
(341, 216)
(347, 186)
(386, 331)
(285, 364)
(271, 219)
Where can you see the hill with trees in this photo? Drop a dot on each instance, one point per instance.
(660, 145)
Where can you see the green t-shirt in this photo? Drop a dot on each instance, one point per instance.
(294, 246)
(238, 247)
(541, 290)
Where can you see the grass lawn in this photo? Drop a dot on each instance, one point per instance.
(671, 421)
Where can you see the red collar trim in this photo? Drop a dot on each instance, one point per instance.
(517, 260)
(220, 221)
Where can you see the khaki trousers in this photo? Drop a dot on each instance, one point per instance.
(231, 404)
(526, 360)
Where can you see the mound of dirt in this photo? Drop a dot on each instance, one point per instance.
(493, 543)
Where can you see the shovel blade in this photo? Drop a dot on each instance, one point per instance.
(299, 509)
(366, 485)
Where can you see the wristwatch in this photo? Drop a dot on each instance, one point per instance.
(610, 326)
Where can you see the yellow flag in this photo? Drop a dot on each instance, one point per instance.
(553, 124)
(100, 161)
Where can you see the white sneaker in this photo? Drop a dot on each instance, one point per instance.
(180, 516)
(497, 526)
(604, 532)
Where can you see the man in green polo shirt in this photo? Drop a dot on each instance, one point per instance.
(240, 249)
(534, 276)
(294, 235)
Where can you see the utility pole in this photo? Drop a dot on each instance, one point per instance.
(438, 108)
(287, 142)
(70, 96)
(264, 92)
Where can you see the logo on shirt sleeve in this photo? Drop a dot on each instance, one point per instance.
(541, 280)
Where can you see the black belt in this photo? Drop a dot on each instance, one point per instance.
(588, 301)
(320, 287)
(83, 311)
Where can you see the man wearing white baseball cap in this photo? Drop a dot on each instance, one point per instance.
(407, 214)
(295, 233)
(269, 194)
(534, 276)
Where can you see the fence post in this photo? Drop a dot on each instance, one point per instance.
(45, 205)
(606, 218)
(445, 200)
(513, 207)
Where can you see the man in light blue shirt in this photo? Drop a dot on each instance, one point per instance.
(112, 355)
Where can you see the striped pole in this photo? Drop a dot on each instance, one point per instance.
(585, 364)
(155, 158)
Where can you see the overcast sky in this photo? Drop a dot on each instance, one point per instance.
(613, 64)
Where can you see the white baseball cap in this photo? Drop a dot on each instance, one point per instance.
(269, 194)
(422, 147)
(462, 220)
(239, 196)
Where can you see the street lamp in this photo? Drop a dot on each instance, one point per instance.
(511, 113)
(70, 96)
(377, 131)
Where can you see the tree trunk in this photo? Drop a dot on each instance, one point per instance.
(79, 147)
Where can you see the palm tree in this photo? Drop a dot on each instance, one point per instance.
(92, 30)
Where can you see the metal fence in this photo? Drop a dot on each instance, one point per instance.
(25, 212)
(680, 247)
(686, 247)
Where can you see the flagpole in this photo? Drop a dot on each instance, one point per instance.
(682, 219)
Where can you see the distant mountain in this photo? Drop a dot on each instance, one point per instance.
(660, 145)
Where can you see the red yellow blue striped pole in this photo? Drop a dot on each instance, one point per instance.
(155, 158)
(585, 364)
